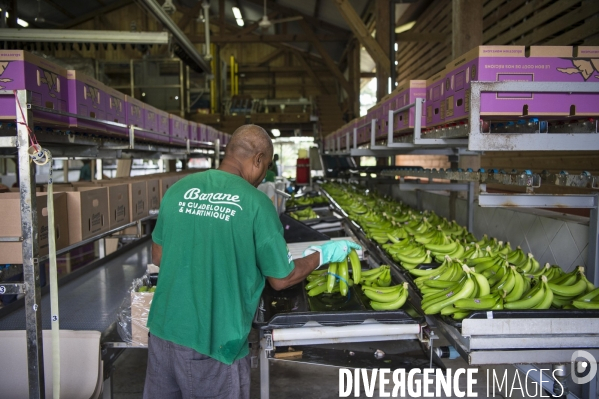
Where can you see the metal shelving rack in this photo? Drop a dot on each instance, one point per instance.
(470, 138)
(65, 145)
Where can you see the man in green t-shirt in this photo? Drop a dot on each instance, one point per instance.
(216, 240)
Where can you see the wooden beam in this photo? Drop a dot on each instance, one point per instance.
(270, 57)
(326, 57)
(467, 26)
(221, 16)
(309, 70)
(383, 31)
(267, 38)
(354, 78)
(60, 8)
(355, 22)
(292, 12)
(90, 15)
(421, 37)
(281, 69)
(189, 16)
(368, 74)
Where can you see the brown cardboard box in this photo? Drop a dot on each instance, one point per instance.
(166, 182)
(140, 308)
(118, 205)
(10, 215)
(138, 200)
(88, 213)
(60, 187)
(11, 252)
(153, 187)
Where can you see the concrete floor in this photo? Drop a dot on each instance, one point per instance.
(293, 380)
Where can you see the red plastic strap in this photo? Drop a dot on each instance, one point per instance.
(32, 137)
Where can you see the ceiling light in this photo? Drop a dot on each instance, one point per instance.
(176, 97)
(237, 13)
(22, 23)
(240, 22)
(396, 46)
(405, 27)
(276, 132)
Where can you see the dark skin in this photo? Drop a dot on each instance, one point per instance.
(248, 155)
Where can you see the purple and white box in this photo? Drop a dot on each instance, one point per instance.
(150, 118)
(135, 112)
(163, 123)
(47, 82)
(510, 63)
(202, 132)
(179, 130)
(406, 93)
(154, 122)
(115, 109)
(86, 98)
(193, 133)
(435, 106)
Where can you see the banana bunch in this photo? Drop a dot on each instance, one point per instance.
(539, 296)
(432, 281)
(387, 298)
(569, 286)
(304, 214)
(409, 254)
(552, 272)
(513, 285)
(336, 277)
(466, 287)
(452, 228)
(416, 226)
(588, 301)
(379, 277)
(472, 252)
(451, 247)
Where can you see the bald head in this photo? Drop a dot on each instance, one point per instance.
(247, 141)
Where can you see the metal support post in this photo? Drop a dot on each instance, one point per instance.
(266, 347)
(216, 153)
(470, 207)
(592, 269)
(33, 322)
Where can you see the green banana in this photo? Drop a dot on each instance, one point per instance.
(589, 296)
(319, 289)
(518, 289)
(530, 299)
(547, 297)
(481, 303)
(343, 273)
(398, 303)
(316, 282)
(576, 288)
(589, 305)
(356, 266)
(331, 277)
(482, 283)
(380, 296)
(464, 291)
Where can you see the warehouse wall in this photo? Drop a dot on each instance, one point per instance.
(551, 237)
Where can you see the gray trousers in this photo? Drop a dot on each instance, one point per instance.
(179, 372)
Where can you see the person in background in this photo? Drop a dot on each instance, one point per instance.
(217, 240)
(274, 167)
(85, 173)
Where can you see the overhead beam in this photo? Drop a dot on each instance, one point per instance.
(82, 36)
(326, 57)
(60, 8)
(368, 74)
(90, 15)
(292, 12)
(280, 69)
(252, 27)
(258, 38)
(383, 31)
(357, 26)
(270, 57)
(309, 70)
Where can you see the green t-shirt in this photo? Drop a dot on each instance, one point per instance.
(220, 238)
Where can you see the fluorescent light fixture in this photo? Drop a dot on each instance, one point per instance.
(276, 132)
(396, 47)
(240, 22)
(237, 13)
(405, 27)
(22, 23)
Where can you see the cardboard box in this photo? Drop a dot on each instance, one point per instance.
(406, 93)
(165, 183)
(140, 309)
(193, 133)
(86, 98)
(138, 200)
(47, 82)
(510, 63)
(118, 205)
(154, 119)
(435, 99)
(153, 187)
(10, 214)
(163, 122)
(115, 111)
(179, 130)
(88, 213)
(135, 111)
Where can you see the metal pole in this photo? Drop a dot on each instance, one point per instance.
(181, 90)
(592, 269)
(216, 153)
(33, 321)
(131, 79)
(264, 370)
(470, 206)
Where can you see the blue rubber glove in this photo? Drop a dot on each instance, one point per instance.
(332, 251)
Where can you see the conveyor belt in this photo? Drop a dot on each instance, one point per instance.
(91, 302)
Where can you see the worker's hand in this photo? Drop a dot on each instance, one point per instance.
(332, 251)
